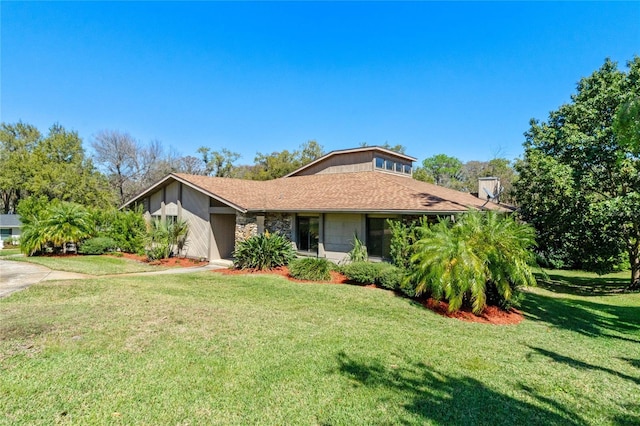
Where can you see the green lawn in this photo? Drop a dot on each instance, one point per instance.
(91, 265)
(9, 252)
(210, 349)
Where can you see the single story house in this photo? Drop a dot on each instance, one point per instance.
(10, 226)
(320, 207)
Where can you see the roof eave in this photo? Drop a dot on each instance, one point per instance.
(185, 182)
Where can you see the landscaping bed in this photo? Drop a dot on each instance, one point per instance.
(490, 315)
(171, 262)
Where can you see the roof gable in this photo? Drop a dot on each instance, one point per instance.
(333, 156)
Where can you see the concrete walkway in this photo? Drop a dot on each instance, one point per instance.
(15, 276)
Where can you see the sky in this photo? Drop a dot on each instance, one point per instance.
(458, 78)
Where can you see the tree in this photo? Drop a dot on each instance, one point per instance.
(118, 153)
(54, 166)
(17, 142)
(131, 165)
(589, 148)
(440, 169)
(65, 173)
(191, 165)
(400, 149)
(497, 167)
(279, 164)
(218, 163)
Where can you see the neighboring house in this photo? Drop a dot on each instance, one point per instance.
(10, 226)
(320, 207)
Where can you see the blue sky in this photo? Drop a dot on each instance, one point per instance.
(456, 78)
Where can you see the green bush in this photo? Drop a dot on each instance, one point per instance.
(310, 268)
(403, 239)
(362, 272)
(264, 251)
(99, 245)
(126, 227)
(389, 276)
(381, 273)
(9, 242)
(158, 240)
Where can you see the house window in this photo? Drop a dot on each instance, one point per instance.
(378, 237)
(389, 165)
(5, 233)
(308, 228)
(407, 169)
(379, 163)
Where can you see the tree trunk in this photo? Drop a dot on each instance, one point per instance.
(634, 260)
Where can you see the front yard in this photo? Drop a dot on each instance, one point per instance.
(211, 349)
(91, 265)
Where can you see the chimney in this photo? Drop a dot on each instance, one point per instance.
(489, 189)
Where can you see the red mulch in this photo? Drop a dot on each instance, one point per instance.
(490, 315)
(336, 277)
(171, 262)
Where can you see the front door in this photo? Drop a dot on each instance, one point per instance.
(223, 231)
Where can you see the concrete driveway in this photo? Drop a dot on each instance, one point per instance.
(15, 276)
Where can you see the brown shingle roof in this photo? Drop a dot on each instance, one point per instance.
(364, 191)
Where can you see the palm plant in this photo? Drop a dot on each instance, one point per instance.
(33, 238)
(158, 240)
(264, 251)
(68, 223)
(178, 234)
(481, 251)
(55, 224)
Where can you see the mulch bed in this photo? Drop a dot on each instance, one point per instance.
(490, 315)
(171, 262)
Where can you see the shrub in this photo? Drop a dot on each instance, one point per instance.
(9, 242)
(390, 277)
(359, 251)
(99, 245)
(481, 250)
(52, 224)
(264, 251)
(361, 272)
(403, 239)
(381, 273)
(310, 268)
(158, 240)
(127, 228)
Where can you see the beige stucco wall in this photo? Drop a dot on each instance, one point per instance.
(195, 210)
(339, 230)
(171, 199)
(155, 203)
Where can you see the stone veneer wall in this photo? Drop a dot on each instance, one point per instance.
(247, 225)
(279, 222)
